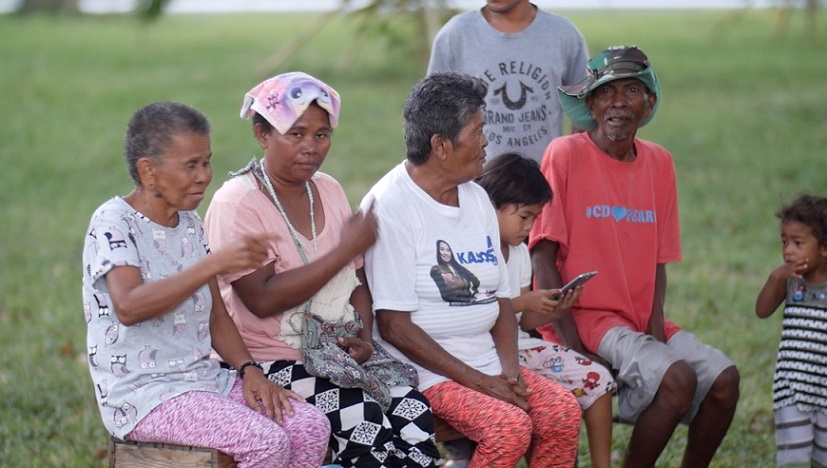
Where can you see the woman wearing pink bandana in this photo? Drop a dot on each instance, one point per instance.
(306, 315)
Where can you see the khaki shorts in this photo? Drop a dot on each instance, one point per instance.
(641, 361)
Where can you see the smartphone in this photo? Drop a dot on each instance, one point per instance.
(577, 281)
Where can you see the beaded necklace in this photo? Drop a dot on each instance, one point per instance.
(293, 232)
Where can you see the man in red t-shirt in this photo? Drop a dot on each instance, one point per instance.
(615, 210)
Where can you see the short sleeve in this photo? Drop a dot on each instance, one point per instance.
(390, 264)
(551, 223)
(110, 243)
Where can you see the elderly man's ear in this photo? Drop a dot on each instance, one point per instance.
(653, 99)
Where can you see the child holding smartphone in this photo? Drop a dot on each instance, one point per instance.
(799, 387)
(518, 191)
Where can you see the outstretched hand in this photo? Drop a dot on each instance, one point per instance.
(246, 252)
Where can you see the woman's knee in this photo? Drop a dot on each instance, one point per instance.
(410, 405)
(570, 412)
(262, 441)
(511, 431)
(307, 419)
(557, 420)
(570, 404)
(373, 413)
(553, 405)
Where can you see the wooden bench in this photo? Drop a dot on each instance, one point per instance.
(129, 454)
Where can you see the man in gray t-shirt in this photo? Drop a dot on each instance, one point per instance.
(523, 54)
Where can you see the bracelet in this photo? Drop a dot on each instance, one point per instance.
(247, 364)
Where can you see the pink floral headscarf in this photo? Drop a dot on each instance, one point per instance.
(283, 98)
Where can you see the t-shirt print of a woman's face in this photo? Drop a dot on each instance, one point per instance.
(457, 285)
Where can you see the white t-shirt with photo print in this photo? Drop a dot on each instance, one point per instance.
(399, 266)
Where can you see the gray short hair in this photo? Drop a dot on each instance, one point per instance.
(149, 132)
(440, 104)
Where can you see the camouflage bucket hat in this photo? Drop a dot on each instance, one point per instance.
(608, 65)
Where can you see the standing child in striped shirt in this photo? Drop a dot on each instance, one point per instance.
(799, 387)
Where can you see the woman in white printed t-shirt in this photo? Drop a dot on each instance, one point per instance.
(464, 351)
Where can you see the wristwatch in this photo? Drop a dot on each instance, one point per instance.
(247, 364)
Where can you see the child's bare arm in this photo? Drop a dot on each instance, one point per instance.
(775, 290)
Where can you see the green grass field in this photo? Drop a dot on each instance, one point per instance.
(743, 111)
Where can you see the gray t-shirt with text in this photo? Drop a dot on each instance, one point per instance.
(523, 71)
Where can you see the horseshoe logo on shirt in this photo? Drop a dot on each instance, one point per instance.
(519, 103)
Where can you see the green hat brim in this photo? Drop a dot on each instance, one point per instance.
(573, 98)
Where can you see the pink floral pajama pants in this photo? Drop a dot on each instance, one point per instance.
(212, 420)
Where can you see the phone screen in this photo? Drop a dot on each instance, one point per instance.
(577, 281)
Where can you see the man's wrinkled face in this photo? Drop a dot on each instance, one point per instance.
(619, 107)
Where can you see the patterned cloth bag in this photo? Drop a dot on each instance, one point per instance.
(324, 357)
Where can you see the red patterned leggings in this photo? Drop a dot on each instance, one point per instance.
(547, 434)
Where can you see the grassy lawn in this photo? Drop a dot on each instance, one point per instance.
(743, 111)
